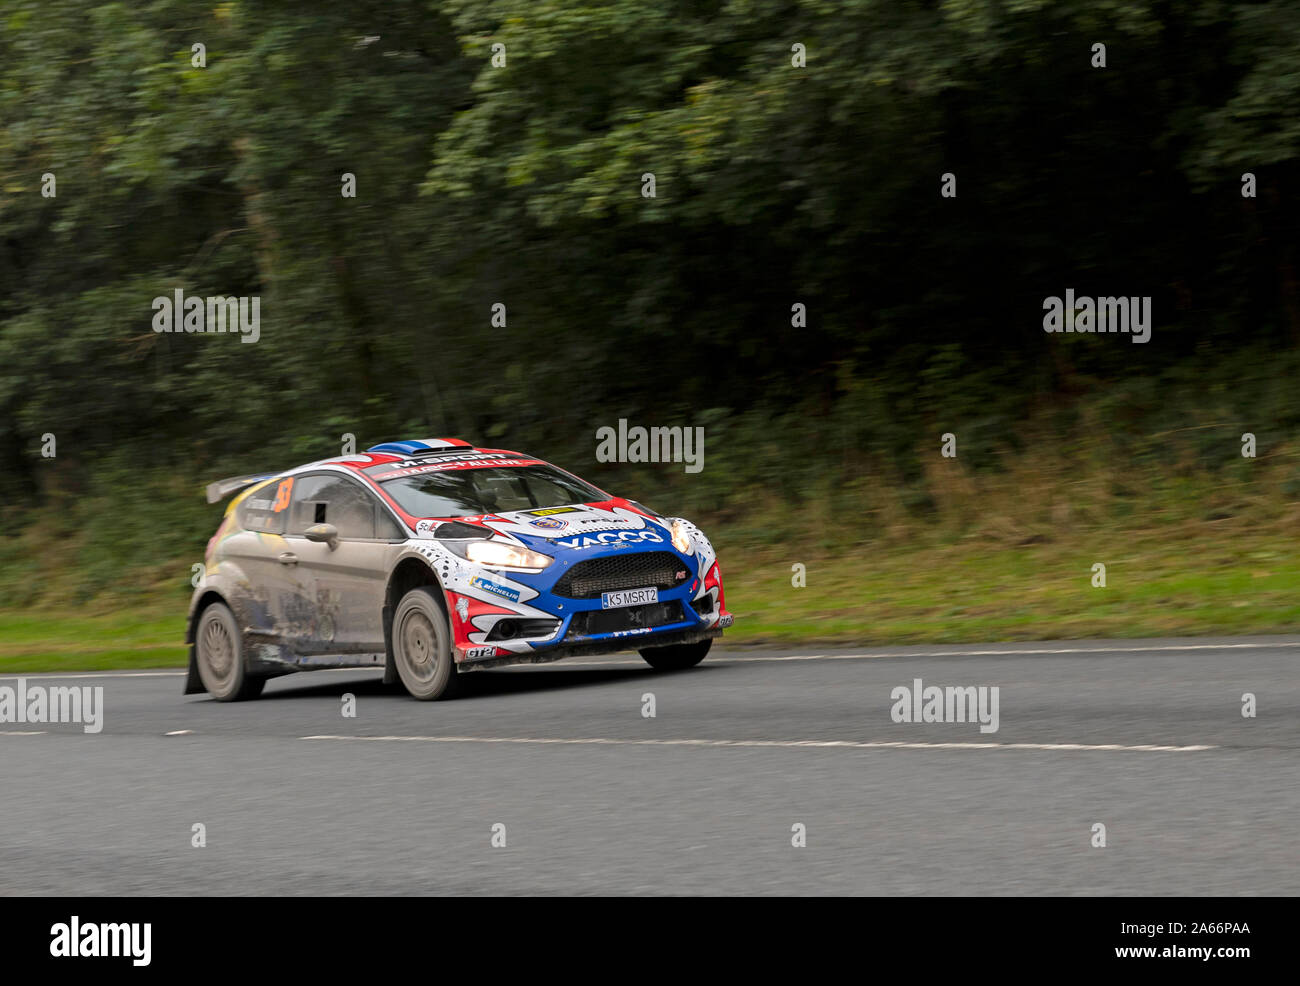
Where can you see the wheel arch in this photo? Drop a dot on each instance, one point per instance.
(410, 573)
(193, 683)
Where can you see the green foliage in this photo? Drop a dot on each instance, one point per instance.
(521, 184)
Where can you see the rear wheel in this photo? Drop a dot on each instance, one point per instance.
(219, 653)
(678, 657)
(422, 646)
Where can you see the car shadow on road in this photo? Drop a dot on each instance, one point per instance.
(487, 684)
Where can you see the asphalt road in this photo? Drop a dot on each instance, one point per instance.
(701, 799)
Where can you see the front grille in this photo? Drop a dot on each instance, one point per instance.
(630, 570)
(628, 618)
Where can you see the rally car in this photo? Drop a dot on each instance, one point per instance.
(431, 558)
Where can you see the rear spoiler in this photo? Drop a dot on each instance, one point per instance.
(222, 488)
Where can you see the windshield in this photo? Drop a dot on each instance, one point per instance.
(468, 492)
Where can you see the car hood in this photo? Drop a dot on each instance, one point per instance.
(583, 530)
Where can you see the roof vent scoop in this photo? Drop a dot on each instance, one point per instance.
(424, 446)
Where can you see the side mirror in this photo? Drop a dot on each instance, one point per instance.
(323, 533)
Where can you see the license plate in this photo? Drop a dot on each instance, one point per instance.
(628, 597)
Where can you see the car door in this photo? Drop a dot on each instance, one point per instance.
(346, 580)
(275, 600)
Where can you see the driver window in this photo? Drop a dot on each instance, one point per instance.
(332, 500)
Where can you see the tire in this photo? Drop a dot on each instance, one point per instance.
(422, 646)
(219, 654)
(678, 657)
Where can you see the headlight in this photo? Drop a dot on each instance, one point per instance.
(681, 540)
(498, 554)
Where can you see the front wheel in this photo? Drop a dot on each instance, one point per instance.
(422, 646)
(677, 657)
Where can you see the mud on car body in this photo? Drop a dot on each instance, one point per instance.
(431, 558)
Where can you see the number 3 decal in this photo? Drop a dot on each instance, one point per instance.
(282, 495)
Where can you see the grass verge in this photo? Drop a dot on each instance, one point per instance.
(1213, 581)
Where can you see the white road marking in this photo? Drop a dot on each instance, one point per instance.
(95, 674)
(724, 657)
(143, 674)
(1005, 652)
(784, 744)
(22, 732)
(180, 732)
